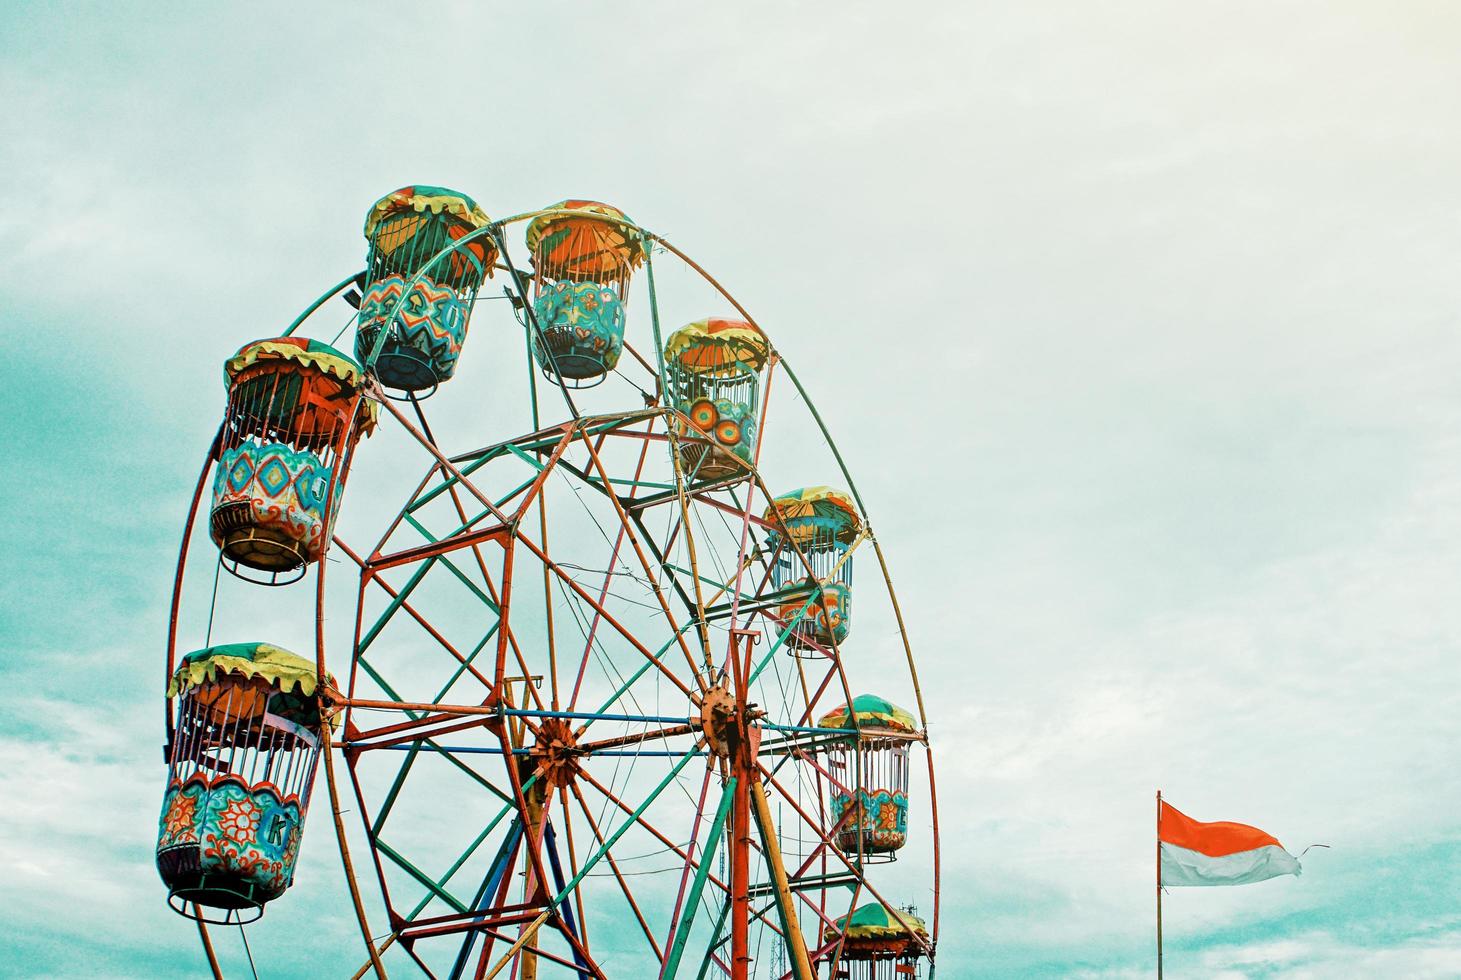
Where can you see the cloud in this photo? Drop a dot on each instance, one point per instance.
(1322, 954)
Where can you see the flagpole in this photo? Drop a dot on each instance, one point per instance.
(1159, 885)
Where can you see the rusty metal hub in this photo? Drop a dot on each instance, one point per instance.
(556, 752)
(717, 720)
(722, 727)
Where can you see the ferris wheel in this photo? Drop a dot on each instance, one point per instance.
(603, 710)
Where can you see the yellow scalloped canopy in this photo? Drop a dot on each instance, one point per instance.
(310, 353)
(301, 350)
(717, 344)
(873, 712)
(807, 511)
(424, 197)
(874, 921)
(282, 669)
(603, 244)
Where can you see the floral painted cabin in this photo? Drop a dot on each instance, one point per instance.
(868, 766)
(240, 767)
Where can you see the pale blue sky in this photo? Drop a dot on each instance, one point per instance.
(1137, 322)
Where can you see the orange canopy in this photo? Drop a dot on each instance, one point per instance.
(597, 242)
(717, 344)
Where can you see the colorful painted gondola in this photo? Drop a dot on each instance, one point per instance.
(712, 369)
(869, 801)
(584, 254)
(295, 411)
(420, 295)
(812, 530)
(240, 768)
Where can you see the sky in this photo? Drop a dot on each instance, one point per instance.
(1135, 322)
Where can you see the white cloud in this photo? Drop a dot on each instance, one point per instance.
(1322, 954)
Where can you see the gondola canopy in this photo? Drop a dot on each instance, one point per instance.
(300, 350)
(283, 670)
(870, 711)
(410, 225)
(874, 922)
(717, 345)
(287, 682)
(815, 515)
(596, 243)
(312, 407)
(426, 200)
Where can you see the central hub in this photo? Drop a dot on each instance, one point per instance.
(723, 727)
(556, 752)
(717, 720)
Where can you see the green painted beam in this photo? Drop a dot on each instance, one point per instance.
(461, 667)
(395, 790)
(719, 925)
(451, 480)
(420, 876)
(531, 460)
(708, 581)
(702, 874)
(451, 566)
(396, 602)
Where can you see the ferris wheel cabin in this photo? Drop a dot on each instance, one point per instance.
(584, 254)
(811, 562)
(240, 767)
(422, 305)
(868, 807)
(294, 414)
(880, 944)
(713, 379)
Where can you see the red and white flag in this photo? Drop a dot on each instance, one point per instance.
(1220, 853)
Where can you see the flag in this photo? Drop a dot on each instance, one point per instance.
(1221, 853)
